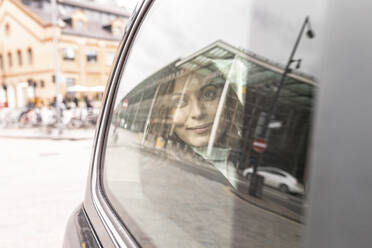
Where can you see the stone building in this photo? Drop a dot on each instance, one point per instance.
(87, 37)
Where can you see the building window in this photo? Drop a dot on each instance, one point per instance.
(31, 83)
(1, 62)
(68, 53)
(109, 58)
(10, 62)
(91, 55)
(7, 28)
(19, 56)
(30, 56)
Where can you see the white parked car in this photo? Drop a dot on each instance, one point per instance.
(277, 178)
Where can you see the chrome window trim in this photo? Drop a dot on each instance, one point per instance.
(91, 227)
(119, 234)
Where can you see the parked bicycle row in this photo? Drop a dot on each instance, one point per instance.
(51, 117)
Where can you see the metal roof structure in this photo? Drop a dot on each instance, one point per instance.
(245, 70)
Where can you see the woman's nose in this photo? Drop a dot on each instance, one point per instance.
(197, 110)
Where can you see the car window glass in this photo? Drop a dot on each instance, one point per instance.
(209, 94)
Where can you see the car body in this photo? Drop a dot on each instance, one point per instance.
(278, 179)
(149, 187)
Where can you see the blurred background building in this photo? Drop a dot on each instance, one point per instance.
(88, 34)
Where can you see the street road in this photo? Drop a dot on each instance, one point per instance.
(292, 202)
(42, 182)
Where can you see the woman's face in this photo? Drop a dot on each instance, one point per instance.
(194, 104)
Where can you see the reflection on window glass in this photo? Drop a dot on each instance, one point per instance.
(208, 146)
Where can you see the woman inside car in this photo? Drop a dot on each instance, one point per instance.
(183, 122)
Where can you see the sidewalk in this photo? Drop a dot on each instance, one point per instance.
(39, 133)
(269, 205)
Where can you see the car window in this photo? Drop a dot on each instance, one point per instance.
(268, 170)
(210, 90)
(281, 174)
(274, 172)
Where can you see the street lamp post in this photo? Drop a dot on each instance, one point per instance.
(310, 34)
(56, 64)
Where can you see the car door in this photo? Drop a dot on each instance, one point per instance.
(196, 79)
(192, 93)
(284, 179)
(270, 177)
(278, 179)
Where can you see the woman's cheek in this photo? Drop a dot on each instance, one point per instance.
(179, 117)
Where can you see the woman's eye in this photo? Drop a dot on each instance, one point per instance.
(209, 93)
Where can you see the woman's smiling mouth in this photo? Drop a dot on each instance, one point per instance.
(200, 129)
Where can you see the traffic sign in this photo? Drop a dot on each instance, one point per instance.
(125, 104)
(259, 145)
